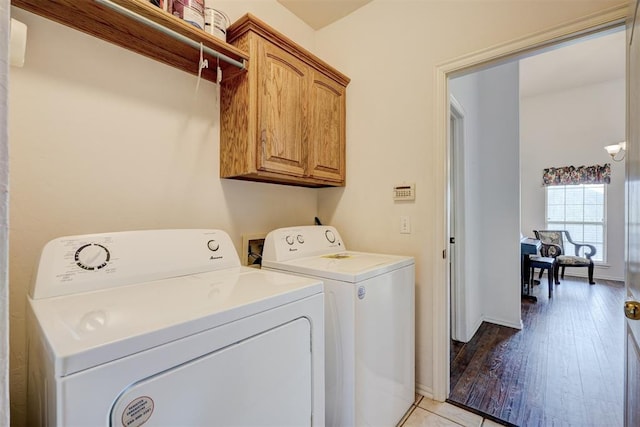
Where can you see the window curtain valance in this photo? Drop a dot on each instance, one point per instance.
(571, 175)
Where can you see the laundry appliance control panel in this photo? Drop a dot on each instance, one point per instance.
(296, 242)
(90, 262)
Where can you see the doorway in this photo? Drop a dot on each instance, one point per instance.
(469, 64)
(519, 124)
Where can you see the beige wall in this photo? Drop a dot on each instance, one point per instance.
(390, 49)
(103, 139)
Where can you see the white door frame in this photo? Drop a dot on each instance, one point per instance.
(607, 18)
(4, 213)
(456, 175)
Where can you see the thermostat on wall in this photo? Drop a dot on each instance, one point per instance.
(404, 192)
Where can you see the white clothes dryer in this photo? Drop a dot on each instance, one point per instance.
(165, 328)
(369, 322)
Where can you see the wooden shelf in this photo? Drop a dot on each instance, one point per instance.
(104, 23)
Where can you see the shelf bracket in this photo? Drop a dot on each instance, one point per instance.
(186, 40)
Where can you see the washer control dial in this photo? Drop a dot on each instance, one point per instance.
(289, 239)
(330, 236)
(300, 239)
(213, 245)
(92, 256)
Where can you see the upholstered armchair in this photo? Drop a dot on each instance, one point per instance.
(553, 245)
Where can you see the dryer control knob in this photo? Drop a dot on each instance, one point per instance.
(330, 236)
(92, 256)
(213, 245)
(289, 240)
(300, 239)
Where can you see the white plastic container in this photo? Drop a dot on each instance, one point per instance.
(215, 22)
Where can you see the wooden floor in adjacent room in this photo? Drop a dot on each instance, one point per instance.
(565, 367)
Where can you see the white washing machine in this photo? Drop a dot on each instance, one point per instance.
(369, 322)
(165, 328)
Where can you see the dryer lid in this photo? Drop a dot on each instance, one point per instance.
(345, 266)
(89, 329)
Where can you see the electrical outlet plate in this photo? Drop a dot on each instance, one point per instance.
(404, 192)
(252, 245)
(405, 225)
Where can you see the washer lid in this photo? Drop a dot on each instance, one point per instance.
(346, 266)
(89, 329)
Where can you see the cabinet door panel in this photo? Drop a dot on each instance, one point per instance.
(283, 94)
(327, 129)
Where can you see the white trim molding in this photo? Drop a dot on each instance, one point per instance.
(456, 162)
(517, 48)
(4, 213)
(501, 322)
(424, 391)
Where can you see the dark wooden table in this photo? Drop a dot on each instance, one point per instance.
(528, 246)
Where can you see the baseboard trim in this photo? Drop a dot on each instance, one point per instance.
(474, 329)
(424, 391)
(595, 276)
(500, 322)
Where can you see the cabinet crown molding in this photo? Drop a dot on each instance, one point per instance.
(249, 22)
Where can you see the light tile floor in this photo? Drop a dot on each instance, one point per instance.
(429, 413)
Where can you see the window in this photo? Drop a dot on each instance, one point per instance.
(580, 210)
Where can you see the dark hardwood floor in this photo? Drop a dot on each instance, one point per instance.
(564, 368)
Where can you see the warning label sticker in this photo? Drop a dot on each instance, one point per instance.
(137, 412)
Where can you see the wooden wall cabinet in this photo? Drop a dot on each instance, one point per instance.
(284, 120)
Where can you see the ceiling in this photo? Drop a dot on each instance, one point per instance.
(583, 62)
(320, 13)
